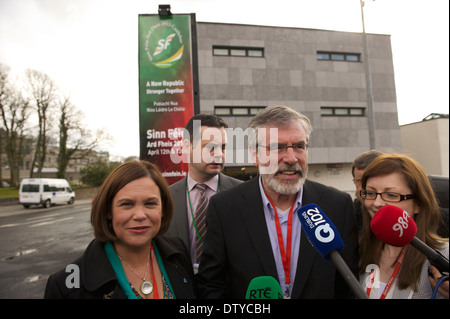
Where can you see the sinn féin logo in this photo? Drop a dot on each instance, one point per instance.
(164, 45)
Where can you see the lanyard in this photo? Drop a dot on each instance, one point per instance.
(192, 211)
(155, 291)
(163, 272)
(391, 280)
(285, 252)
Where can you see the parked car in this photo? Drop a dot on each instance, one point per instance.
(45, 192)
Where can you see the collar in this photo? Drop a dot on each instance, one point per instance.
(95, 267)
(266, 201)
(120, 274)
(212, 183)
(96, 270)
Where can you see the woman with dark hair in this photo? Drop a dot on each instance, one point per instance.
(128, 258)
(399, 272)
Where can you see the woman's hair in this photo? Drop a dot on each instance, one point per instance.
(116, 180)
(427, 219)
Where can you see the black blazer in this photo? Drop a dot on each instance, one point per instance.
(179, 226)
(98, 280)
(237, 246)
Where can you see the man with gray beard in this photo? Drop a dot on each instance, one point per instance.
(253, 229)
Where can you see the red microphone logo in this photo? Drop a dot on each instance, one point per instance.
(394, 226)
(402, 223)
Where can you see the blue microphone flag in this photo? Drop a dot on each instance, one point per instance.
(319, 229)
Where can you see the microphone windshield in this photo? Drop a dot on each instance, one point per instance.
(264, 287)
(393, 225)
(319, 229)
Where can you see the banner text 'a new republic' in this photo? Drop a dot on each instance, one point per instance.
(166, 89)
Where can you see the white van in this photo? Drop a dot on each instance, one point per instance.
(45, 192)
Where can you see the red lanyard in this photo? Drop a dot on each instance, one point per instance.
(391, 280)
(285, 252)
(155, 285)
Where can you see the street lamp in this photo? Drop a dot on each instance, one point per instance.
(164, 10)
(370, 115)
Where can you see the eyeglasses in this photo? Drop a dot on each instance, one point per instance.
(281, 149)
(386, 196)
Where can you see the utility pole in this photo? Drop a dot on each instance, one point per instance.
(370, 115)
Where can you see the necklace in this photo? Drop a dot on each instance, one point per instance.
(146, 285)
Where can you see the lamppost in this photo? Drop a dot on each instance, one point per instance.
(370, 115)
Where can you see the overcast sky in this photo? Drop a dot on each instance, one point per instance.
(89, 47)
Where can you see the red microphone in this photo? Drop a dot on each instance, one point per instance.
(395, 227)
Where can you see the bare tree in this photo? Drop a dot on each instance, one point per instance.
(42, 90)
(67, 122)
(75, 140)
(15, 110)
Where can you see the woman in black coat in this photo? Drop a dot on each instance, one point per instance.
(128, 257)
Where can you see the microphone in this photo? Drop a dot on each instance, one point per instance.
(325, 238)
(396, 227)
(264, 287)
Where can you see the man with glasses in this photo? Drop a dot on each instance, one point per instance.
(253, 229)
(358, 166)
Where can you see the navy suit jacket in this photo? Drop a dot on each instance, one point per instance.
(237, 246)
(179, 226)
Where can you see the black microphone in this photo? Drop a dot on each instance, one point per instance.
(394, 226)
(264, 287)
(325, 238)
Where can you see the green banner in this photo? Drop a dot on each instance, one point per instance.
(166, 90)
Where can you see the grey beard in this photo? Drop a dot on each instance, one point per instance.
(286, 187)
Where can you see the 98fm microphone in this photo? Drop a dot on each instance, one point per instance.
(394, 226)
(325, 238)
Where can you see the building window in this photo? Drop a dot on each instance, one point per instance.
(219, 50)
(342, 111)
(222, 111)
(323, 56)
(338, 56)
(237, 110)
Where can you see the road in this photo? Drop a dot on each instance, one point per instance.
(36, 242)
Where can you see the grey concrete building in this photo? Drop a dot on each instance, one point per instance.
(428, 143)
(320, 73)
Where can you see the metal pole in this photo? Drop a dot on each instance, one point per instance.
(370, 115)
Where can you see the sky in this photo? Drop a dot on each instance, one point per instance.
(90, 48)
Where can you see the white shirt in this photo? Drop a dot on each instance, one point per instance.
(269, 214)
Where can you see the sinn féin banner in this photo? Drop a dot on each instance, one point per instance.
(167, 89)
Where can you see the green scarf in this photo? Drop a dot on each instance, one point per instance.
(120, 274)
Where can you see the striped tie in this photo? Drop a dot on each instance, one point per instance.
(200, 218)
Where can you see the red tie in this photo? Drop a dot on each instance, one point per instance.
(200, 218)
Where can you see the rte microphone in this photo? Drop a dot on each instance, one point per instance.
(325, 238)
(264, 287)
(396, 227)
